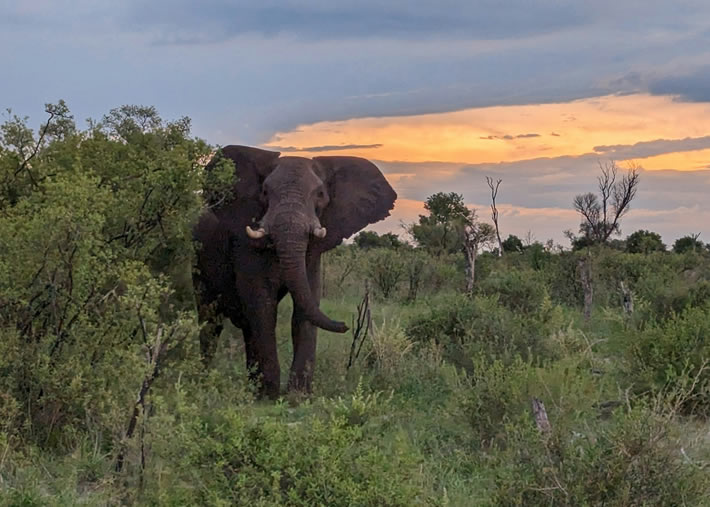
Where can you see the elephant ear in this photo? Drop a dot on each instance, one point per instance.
(252, 166)
(359, 195)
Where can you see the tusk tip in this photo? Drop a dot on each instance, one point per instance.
(320, 232)
(258, 234)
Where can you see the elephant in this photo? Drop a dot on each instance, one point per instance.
(266, 240)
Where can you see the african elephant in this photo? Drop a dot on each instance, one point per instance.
(267, 240)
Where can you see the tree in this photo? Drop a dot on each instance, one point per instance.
(601, 215)
(476, 236)
(94, 268)
(688, 243)
(370, 239)
(512, 244)
(644, 242)
(442, 231)
(494, 210)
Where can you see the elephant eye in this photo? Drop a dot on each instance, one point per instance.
(321, 194)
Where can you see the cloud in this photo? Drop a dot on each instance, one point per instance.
(549, 223)
(646, 149)
(544, 182)
(243, 70)
(339, 147)
(693, 86)
(182, 21)
(509, 137)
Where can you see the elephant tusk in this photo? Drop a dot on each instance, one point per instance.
(319, 232)
(258, 234)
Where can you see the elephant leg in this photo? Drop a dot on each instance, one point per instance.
(260, 346)
(303, 335)
(212, 325)
(252, 362)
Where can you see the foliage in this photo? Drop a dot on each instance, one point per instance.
(370, 239)
(512, 244)
(233, 457)
(644, 242)
(674, 356)
(385, 269)
(441, 231)
(627, 461)
(688, 244)
(466, 326)
(95, 241)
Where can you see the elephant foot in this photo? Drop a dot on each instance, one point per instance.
(300, 384)
(267, 386)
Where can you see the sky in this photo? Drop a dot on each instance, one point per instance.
(439, 94)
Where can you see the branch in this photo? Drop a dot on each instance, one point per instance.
(624, 192)
(361, 328)
(23, 165)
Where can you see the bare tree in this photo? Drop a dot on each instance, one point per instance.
(494, 210)
(476, 236)
(601, 214)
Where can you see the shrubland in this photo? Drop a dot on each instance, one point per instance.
(103, 399)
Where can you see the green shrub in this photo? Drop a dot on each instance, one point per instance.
(386, 269)
(87, 230)
(348, 455)
(674, 356)
(519, 290)
(631, 460)
(466, 326)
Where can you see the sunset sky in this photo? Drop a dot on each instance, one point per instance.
(438, 94)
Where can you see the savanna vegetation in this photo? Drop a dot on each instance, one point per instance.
(558, 377)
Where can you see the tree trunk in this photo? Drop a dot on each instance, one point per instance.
(585, 276)
(471, 253)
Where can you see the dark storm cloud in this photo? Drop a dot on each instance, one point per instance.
(691, 87)
(244, 70)
(332, 147)
(212, 20)
(652, 148)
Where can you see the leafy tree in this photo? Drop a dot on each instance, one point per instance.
(442, 231)
(95, 250)
(512, 244)
(601, 214)
(687, 244)
(644, 242)
(370, 239)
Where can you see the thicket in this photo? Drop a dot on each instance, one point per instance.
(103, 400)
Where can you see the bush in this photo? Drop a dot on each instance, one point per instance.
(631, 460)
(88, 230)
(674, 356)
(466, 326)
(385, 268)
(519, 290)
(348, 455)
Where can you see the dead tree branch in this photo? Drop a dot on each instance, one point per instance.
(494, 210)
(153, 356)
(360, 327)
(602, 214)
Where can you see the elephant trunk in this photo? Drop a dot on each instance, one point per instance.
(291, 247)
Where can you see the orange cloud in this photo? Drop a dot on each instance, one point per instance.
(509, 133)
(541, 151)
(683, 161)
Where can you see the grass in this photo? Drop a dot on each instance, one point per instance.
(403, 426)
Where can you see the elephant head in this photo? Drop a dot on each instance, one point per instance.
(302, 207)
